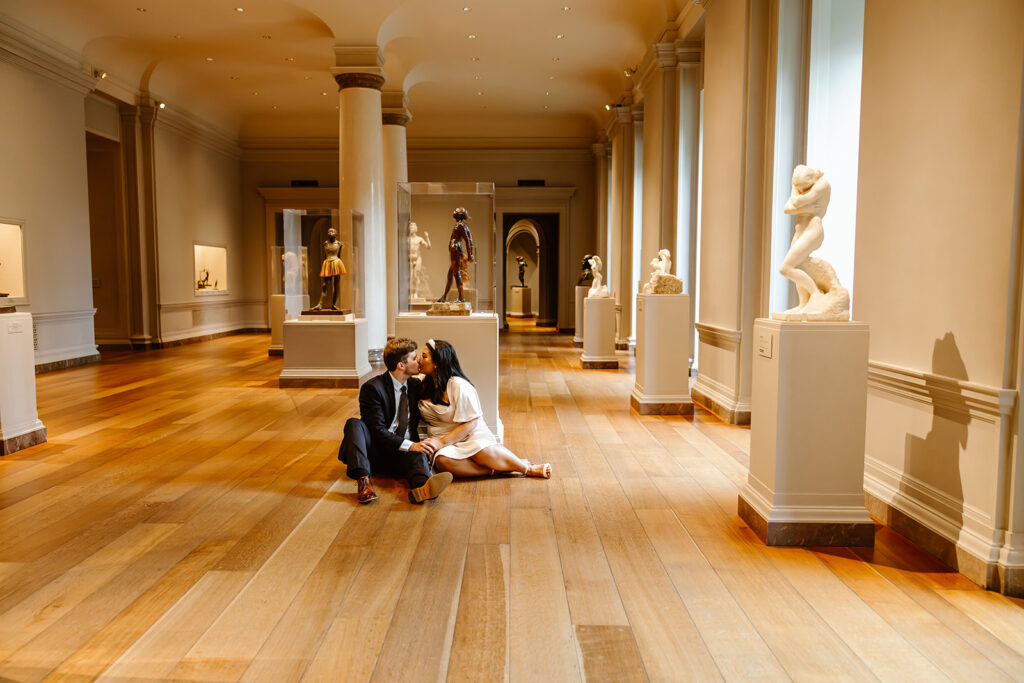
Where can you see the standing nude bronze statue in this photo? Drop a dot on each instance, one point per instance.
(461, 252)
(331, 271)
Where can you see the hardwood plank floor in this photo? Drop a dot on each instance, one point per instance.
(188, 520)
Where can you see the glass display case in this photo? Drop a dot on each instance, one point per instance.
(210, 269)
(304, 247)
(12, 264)
(432, 246)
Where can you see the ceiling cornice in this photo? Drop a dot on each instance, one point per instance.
(30, 50)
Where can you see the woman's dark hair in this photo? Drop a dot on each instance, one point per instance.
(446, 366)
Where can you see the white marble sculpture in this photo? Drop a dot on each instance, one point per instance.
(662, 280)
(597, 290)
(821, 296)
(419, 286)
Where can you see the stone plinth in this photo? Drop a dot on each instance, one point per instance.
(599, 334)
(325, 351)
(662, 355)
(809, 405)
(19, 422)
(581, 296)
(475, 338)
(520, 303)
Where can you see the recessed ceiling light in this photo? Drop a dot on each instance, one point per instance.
(177, 36)
(467, 9)
(255, 92)
(234, 78)
(265, 36)
(209, 59)
(274, 107)
(309, 78)
(162, 105)
(475, 59)
(545, 106)
(547, 92)
(289, 59)
(140, 9)
(566, 8)
(239, 9)
(551, 78)
(554, 59)
(559, 36)
(471, 36)
(476, 77)
(607, 107)
(478, 92)
(324, 93)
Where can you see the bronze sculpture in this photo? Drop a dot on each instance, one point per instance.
(331, 271)
(522, 270)
(460, 252)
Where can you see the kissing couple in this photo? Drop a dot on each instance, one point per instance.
(385, 438)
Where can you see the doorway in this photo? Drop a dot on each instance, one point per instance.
(519, 231)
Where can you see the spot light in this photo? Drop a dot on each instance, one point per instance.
(239, 9)
(209, 59)
(471, 36)
(607, 107)
(161, 105)
(466, 9)
(559, 36)
(100, 74)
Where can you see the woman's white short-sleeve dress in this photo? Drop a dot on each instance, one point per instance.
(463, 406)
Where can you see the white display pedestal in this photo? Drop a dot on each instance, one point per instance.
(662, 355)
(808, 412)
(327, 351)
(581, 296)
(475, 338)
(520, 304)
(599, 334)
(19, 423)
(278, 313)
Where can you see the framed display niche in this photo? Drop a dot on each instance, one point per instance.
(13, 289)
(211, 269)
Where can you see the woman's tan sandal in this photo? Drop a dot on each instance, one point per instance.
(540, 471)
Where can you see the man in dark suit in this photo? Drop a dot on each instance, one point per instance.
(385, 437)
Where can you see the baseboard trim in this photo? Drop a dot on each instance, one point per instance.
(66, 363)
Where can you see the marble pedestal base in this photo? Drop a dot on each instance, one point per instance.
(581, 296)
(278, 314)
(520, 304)
(808, 412)
(475, 338)
(19, 421)
(325, 351)
(599, 334)
(662, 355)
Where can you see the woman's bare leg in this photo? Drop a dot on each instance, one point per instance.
(501, 459)
(462, 468)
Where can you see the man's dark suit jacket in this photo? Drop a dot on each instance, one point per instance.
(377, 406)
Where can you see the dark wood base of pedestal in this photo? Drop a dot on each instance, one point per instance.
(835, 534)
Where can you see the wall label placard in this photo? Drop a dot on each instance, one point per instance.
(764, 345)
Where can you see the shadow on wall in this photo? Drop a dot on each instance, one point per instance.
(935, 459)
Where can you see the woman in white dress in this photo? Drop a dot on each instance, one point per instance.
(452, 413)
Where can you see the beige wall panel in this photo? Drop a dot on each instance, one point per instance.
(721, 209)
(939, 139)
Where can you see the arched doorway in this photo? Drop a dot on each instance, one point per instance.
(543, 229)
(522, 241)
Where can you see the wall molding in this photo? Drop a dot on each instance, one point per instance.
(473, 156)
(77, 336)
(719, 337)
(208, 304)
(26, 48)
(978, 401)
(198, 131)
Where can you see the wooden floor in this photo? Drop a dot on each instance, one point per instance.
(189, 520)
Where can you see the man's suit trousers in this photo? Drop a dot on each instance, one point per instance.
(362, 458)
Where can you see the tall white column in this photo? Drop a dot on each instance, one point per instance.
(623, 268)
(361, 173)
(689, 58)
(602, 152)
(396, 170)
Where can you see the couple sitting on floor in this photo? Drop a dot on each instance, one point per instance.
(385, 438)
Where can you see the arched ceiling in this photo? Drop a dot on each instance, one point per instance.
(262, 67)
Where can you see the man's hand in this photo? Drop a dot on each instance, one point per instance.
(430, 445)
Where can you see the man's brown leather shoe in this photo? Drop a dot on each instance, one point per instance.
(366, 493)
(432, 489)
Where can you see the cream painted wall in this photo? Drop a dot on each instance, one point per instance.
(936, 216)
(43, 182)
(197, 200)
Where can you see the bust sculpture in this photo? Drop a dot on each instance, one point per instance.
(662, 280)
(419, 288)
(586, 275)
(821, 296)
(522, 270)
(597, 290)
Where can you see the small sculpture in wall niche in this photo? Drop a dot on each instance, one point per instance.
(522, 270)
(204, 279)
(662, 280)
(331, 271)
(460, 253)
(821, 296)
(419, 287)
(586, 274)
(597, 290)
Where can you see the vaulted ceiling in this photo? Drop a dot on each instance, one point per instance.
(520, 68)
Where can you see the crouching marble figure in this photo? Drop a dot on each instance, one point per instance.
(821, 296)
(662, 281)
(597, 290)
